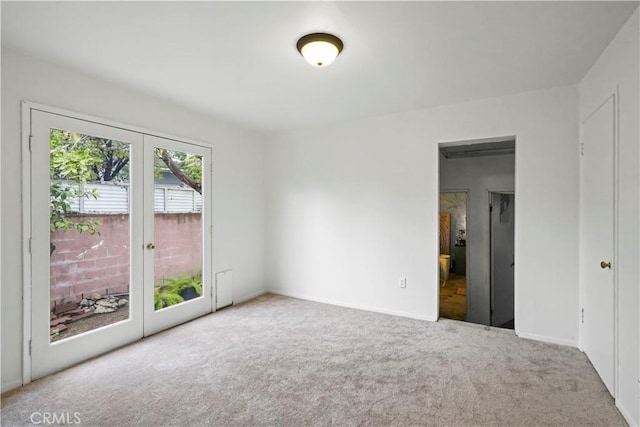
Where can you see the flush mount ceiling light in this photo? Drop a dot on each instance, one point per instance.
(319, 49)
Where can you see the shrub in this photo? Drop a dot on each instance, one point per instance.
(169, 293)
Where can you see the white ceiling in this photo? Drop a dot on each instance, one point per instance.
(237, 60)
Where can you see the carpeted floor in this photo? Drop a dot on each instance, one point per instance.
(282, 361)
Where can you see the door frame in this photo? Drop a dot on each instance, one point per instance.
(25, 136)
(615, 93)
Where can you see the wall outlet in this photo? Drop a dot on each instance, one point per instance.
(403, 282)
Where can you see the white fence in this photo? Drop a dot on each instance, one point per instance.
(176, 199)
(114, 198)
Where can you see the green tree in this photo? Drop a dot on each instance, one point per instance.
(184, 166)
(115, 159)
(72, 164)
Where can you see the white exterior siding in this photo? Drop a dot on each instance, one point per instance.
(114, 198)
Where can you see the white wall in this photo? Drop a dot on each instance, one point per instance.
(352, 207)
(478, 176)
(618, 69)
(238, 161)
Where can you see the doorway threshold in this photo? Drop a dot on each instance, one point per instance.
(477, 326)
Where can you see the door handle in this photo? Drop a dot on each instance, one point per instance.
(151, 246)
(605, 264)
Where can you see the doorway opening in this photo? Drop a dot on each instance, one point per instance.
(477, 267)
(453, 262)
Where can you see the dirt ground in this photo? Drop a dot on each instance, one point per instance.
(93, 322)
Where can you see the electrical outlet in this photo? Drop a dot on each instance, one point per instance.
(403, 282)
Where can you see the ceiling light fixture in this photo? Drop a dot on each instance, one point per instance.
(319, 49)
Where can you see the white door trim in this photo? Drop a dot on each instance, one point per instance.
(616, 240)
(105, 122)
(26, 238)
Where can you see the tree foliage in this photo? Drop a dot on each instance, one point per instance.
(79, 156)
(186, 167)
(71, 164)
(115, 160)
(77, 159)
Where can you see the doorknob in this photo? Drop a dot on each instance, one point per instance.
(151, 246)
(605, 264)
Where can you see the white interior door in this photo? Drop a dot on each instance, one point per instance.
(83, 240)
(178, 268)
(502, 258)
(597, 231)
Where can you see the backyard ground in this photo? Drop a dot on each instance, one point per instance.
(92, 322)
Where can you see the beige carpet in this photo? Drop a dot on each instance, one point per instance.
(282, 361)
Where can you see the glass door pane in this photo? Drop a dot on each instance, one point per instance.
(89, 248)
(178, 227)
(86, 256)
(178, 239)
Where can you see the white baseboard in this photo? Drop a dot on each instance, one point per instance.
(247, 297)
(535, 337)
(544, 338)
(626, 414)
(10, 385)
(355, 306)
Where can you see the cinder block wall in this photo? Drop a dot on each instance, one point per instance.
(82, 264)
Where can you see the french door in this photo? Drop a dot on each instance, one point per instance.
(177, 230)
(124, 249)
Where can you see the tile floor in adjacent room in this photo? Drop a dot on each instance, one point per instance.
(453, 298)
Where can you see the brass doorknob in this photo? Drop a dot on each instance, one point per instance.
(152, 246)
(605, 264)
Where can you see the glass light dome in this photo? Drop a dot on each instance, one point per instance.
(319, 49)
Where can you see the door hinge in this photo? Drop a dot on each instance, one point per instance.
(490, 208)
(30, 141)
(29, 347)
(30, 244)
(582, 148)
(582, 313)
